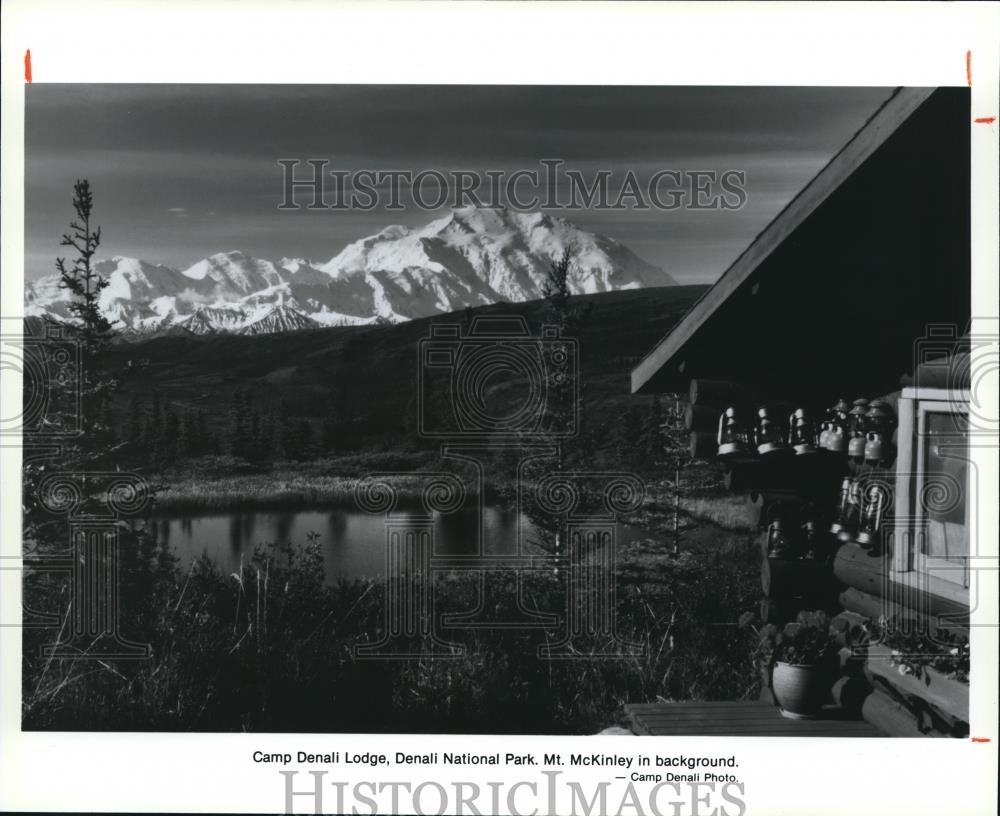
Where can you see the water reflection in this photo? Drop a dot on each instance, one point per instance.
(353, 542)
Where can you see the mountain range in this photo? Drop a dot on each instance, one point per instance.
(470, 257)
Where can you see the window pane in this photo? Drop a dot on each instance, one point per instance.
(945, 481)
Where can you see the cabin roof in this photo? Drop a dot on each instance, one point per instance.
(838, 289)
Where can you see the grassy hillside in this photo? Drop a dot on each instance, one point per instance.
(364, 379)
(270, 647)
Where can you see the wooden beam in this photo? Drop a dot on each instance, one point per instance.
(896, 110)
(793, 578)
(862, 570)
(949, 697)
(893, 719)
(701, 418)
(702, 445)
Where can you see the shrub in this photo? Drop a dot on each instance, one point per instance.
(809, 640)
(912, 652)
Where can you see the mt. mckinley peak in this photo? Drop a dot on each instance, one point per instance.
(468, 257)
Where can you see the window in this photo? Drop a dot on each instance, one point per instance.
(931, 529)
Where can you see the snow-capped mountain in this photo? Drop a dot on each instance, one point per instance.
(209, 320)
(281, 318)
(471, 257)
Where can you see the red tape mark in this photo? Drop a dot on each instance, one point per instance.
(27, 66)
(968, 67)
(985, 120)
(980, 739)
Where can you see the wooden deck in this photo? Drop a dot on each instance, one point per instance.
(738, 719)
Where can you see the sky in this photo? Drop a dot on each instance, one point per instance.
(180, 172)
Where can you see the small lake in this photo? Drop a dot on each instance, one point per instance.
(353, 542)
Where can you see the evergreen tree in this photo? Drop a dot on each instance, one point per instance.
(330, 432)
(85, 285)
(561, 392)
(185, 436)
(650, 447)
(205, 441)
(285, 432)
(238, 424)
(676, 461)
(134, 431)
(555, 290)
(104, 439)
(303, 439)
(269, 436)
(153, 427)
(168, 446)
(628, 441)
(80, 277)
(252, 422)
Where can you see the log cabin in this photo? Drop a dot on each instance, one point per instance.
(858, 290)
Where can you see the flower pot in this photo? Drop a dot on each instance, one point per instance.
(799, 690)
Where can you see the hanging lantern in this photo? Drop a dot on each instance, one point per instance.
(780, 543)
(801, 432)
(880, 421)
(812, 541)
(768, 434)
(835, 440)
(845, 489)
(858, 426)
(848, 509)
(875, 504)
(732, 435)
(824, 431)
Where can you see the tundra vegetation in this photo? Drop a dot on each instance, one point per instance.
(296, 420)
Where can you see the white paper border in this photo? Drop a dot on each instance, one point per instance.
(877, 44)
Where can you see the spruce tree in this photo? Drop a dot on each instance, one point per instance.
(136, 406)
(330, 439)
(205, 441)
(185, 436)
(93, 330)
(556, 292)
(628, 443)
(80, 277)
(303, 439)
(238, 424)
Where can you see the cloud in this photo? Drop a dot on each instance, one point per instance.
(145, 147)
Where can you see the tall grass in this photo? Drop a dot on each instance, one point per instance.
(222, 483)
(269, 648)
(262, 490)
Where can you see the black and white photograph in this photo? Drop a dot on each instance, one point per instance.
(500, 409)
(433, 431)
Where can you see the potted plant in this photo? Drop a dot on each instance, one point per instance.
(802, 658)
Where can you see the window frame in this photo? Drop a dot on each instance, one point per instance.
(909, 565)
